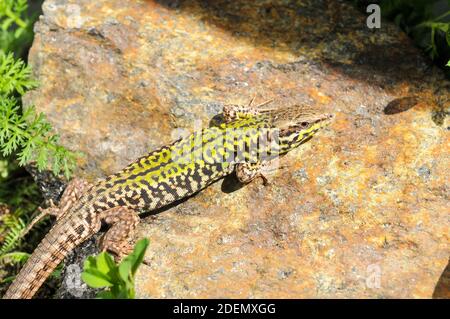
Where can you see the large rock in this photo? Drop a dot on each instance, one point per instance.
(359, 211)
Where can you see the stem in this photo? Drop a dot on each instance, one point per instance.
(16, 19)
(443, 15)
(430, 23)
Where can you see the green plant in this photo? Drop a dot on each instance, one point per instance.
(24, 132)
(15, 75)
(427, 22)
(420, 19)
(15, 226)
(103, 272)
(16, 257)
(15, 26)
(25, 138)
(437, 29)
(20, 197)
(27, 133)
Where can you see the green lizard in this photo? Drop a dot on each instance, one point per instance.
(245, 142)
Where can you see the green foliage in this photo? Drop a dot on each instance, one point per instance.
(428, 29)
(20, 195)
(14, 258)
(19, 198)
(103, 272)
(427, 22)
(418, 19)
(14, 75)
(15, 26)
(17, 190)
(26, 133)
(25, 137)
(15, 228)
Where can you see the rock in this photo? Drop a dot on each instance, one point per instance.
(359, 211)
(72, 287)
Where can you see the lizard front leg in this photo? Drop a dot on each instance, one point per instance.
(123, 223)
(246, 172)
(73, 192)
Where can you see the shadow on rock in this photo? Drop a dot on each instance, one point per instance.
(400, 105)
(442, 289)
(334, 33)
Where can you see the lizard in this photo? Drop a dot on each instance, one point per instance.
(245, 142)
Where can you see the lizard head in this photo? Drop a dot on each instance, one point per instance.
(297, 124)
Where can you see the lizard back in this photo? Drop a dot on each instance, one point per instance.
(181, 168)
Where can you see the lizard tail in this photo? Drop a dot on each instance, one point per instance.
(50, 252)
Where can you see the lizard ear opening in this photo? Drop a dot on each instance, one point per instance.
(304, 124)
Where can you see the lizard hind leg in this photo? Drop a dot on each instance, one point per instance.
(124, 222)
(71, 194)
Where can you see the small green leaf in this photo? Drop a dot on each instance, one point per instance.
(105, 263)
(125, 269)
(89, 263)
(139, 253)
(95, 280)
(448, 63)
(103, 272)
(15, 257)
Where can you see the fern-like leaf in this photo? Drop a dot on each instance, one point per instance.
(15, 75)
(14, 258)
(30, 136)
(12, 239)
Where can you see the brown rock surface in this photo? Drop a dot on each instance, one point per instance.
(359, 211)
